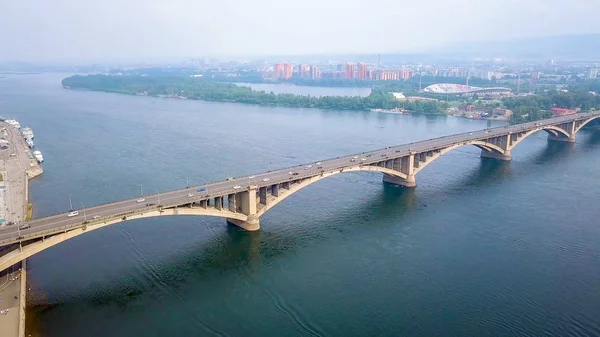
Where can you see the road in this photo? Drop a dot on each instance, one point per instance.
(221, 188)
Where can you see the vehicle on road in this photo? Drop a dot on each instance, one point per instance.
(251, 177)
(319, 163)
(190, 195)
(355, 157)
(4, 312)
(237, 187)
(26, 226)
(470, 133)
(150, 204)
(96, 217)
(266, 179)
(295, 173)
(13, 154)
(363, 159)
(290, 173)
(74, 213)
(201, 189)
(230, 179)
(141, 200)
(308, 167)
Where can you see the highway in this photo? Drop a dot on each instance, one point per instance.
(223, 188)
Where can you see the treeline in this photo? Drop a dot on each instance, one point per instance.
(207, 89)
(539, 106)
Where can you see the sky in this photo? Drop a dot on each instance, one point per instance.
(95, 30)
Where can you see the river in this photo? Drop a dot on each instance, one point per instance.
(479, 248)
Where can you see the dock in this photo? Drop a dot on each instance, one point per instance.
(17, 166)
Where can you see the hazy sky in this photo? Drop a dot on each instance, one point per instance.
(90, 30)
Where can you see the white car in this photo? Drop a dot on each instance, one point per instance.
(363, 159)
(190, 195)
(319, 163)
(237, 187)
(266, 179)
(290, 173)
(141, 200)
(74, 213)
(355, 157)
(251, 177)
(96, 217)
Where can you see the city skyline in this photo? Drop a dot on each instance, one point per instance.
(136, 29)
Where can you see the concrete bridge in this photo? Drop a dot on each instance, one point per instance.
(243, 200)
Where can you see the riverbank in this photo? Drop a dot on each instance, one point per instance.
(18, 165)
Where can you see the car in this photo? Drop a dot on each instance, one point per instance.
(4, 312)
(470, 133)
(319, 167)
(266, 179)
(383, 155)
(290, 173)
(251, 177)
(190, 195)
(355, 157)
(96, 217)
(74, 213)
(150, 204)
(230, 179)
(319, 163)
(201, 189)
(237, 187)
(25, 226)
(363, 159)
(13, 154)
(295, 173)
(141, 200)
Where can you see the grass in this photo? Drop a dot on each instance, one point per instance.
(29, 212)
(1, 177)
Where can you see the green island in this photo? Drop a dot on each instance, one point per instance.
(209, 90)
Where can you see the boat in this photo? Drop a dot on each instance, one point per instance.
(13, 123)
(27, 133)
(29, 142)
(38, 156)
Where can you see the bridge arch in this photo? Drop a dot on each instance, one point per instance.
(31, 249)
(309, 181)
(585, 123)
(550, 129)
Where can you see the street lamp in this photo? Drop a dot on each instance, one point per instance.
(158, 195)
(84, 216)
(70, 204)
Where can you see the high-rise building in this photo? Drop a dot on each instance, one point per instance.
(340, 67)
(314, 72)
(349, 70)
(287, 70)
(362, 70)
(370, 74)
(278, 73)
(304, 71)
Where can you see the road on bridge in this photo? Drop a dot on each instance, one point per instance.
(223, 188)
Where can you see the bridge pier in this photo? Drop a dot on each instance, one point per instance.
(561, 138)
(496, 155)
(251, 224)
(408, 182)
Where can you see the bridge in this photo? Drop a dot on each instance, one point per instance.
(243, 200)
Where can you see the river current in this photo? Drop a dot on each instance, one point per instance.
(479, 248)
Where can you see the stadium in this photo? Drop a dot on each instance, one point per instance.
(460, 89)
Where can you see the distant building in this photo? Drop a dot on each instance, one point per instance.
(362, 70)
(592, 74)
(304, 71)
(278, 71)
(349, 70)
(287, 70)
(562, 111)
(314, 72)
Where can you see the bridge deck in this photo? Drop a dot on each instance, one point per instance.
(61, 222)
